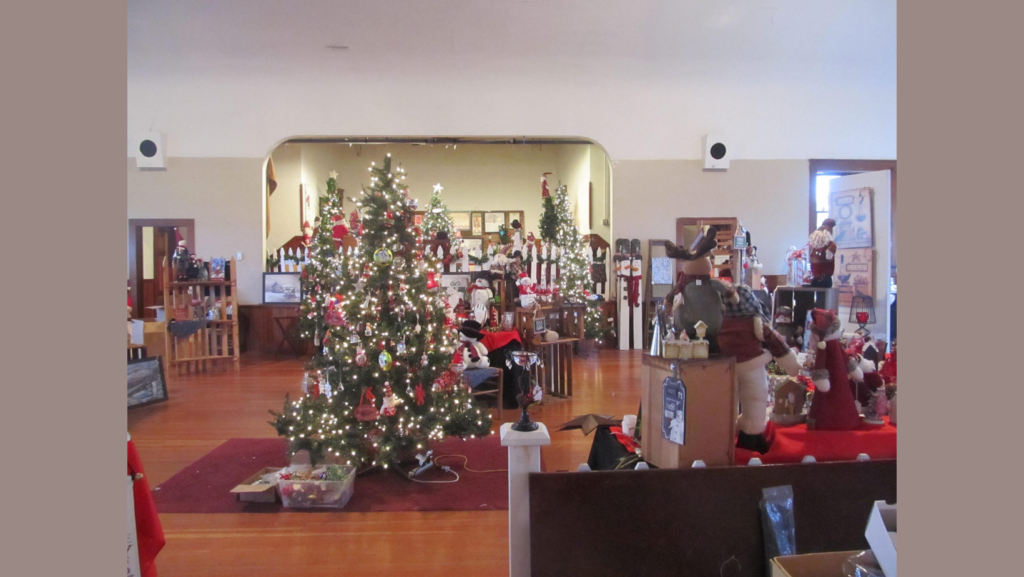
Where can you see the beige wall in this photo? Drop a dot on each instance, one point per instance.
(475, 177)
(225, 198)
(770, 197)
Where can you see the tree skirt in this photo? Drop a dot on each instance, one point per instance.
(204, 486)
(791, 444)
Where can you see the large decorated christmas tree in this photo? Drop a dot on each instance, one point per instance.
(574, 277)
(379, 387)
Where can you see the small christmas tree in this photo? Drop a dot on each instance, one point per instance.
(320, 269)
(437, 218)
(380, 384)
(548, 221)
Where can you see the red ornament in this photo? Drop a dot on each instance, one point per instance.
(432, 281)
(421, 397)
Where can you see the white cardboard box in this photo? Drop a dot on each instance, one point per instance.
(138, 332)
(881, 535)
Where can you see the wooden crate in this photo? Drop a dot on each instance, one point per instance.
(711, 411)
(217, 343)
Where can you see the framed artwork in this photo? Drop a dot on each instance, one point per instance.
(146, 383)
(478, 224)
(282, 288)
(460, 220)
(308, 209)
(494, 221)
(455, 284)
(854, 216)
(661, 271)
(473, 243)
(855, 274)
(540, 326)
(418, 219)
(217, 266)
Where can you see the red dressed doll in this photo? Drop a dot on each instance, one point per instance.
(832, 408)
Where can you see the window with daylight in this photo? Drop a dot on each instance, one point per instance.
(823, 172)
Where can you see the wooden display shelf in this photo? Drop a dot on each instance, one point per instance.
(215, 343)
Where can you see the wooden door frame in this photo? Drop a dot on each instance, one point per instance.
(852, 167)
(135, 253)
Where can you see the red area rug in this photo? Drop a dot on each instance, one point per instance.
(204, 486)
(791, 444)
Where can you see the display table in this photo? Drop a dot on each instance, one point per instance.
(710, 412)
(792, 444)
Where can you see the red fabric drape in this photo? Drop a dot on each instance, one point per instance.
(147, 523)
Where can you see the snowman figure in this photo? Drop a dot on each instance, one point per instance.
(481, 297)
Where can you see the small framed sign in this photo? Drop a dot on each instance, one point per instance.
(540, 326)
(673, 420)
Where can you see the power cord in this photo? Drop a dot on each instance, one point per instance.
(465, 464)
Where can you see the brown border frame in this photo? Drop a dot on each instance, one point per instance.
(135, 226)
(851, 167)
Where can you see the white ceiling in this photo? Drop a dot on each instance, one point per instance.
(824, 71)
(254, 34)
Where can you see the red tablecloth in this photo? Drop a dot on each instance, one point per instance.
(791, 444)
(497, 340)
(147, 525)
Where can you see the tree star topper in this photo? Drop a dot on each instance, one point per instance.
(333, 174)
(438, 188)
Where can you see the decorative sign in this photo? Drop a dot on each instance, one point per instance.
(661, 271)
(852, 211)
(133, 541)
(855, 274)
(455, 282)
(673, 420)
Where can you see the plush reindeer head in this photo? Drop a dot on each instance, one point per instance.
(695, 262)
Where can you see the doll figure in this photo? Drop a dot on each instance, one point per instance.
(833, 407)
(747, 335)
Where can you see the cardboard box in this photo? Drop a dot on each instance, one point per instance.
(881, 535)
(249, 492)
(812, 565)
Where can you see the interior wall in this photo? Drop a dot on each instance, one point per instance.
(284, 203)
(147, 253)
(223, 196)
(768, 196)
(474, 177)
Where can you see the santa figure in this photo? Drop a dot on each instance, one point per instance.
(480, 297)
(340, 230)
(472, 352)
(823, 255)
(833, 407)
(544, 192)
(527, 290)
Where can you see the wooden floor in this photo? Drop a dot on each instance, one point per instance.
(206, 410)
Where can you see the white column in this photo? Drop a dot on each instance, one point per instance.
(523, 459)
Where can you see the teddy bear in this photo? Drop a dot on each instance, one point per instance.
(747, 335)
(833, 407)
(473, 352)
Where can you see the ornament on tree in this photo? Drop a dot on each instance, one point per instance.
(369, 331)
(389, 405)
(361, 358)
(385, 361)
(544, 192)
(424, 361)
(383, 256)
(421, 397)
(340, 230)
(367, 409)
(400, 347)
(399, 262)
(432, 281)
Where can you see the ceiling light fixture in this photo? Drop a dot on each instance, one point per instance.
(337, 47)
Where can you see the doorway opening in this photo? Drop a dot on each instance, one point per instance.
(150, 241)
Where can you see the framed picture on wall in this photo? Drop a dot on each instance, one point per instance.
(494, 221)
(146, 383)
(478, 224)
(308, 205)
(514, 216)
(472, 243)
(854, 218)
(460, 220)
(280, 288)
(418, 220)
